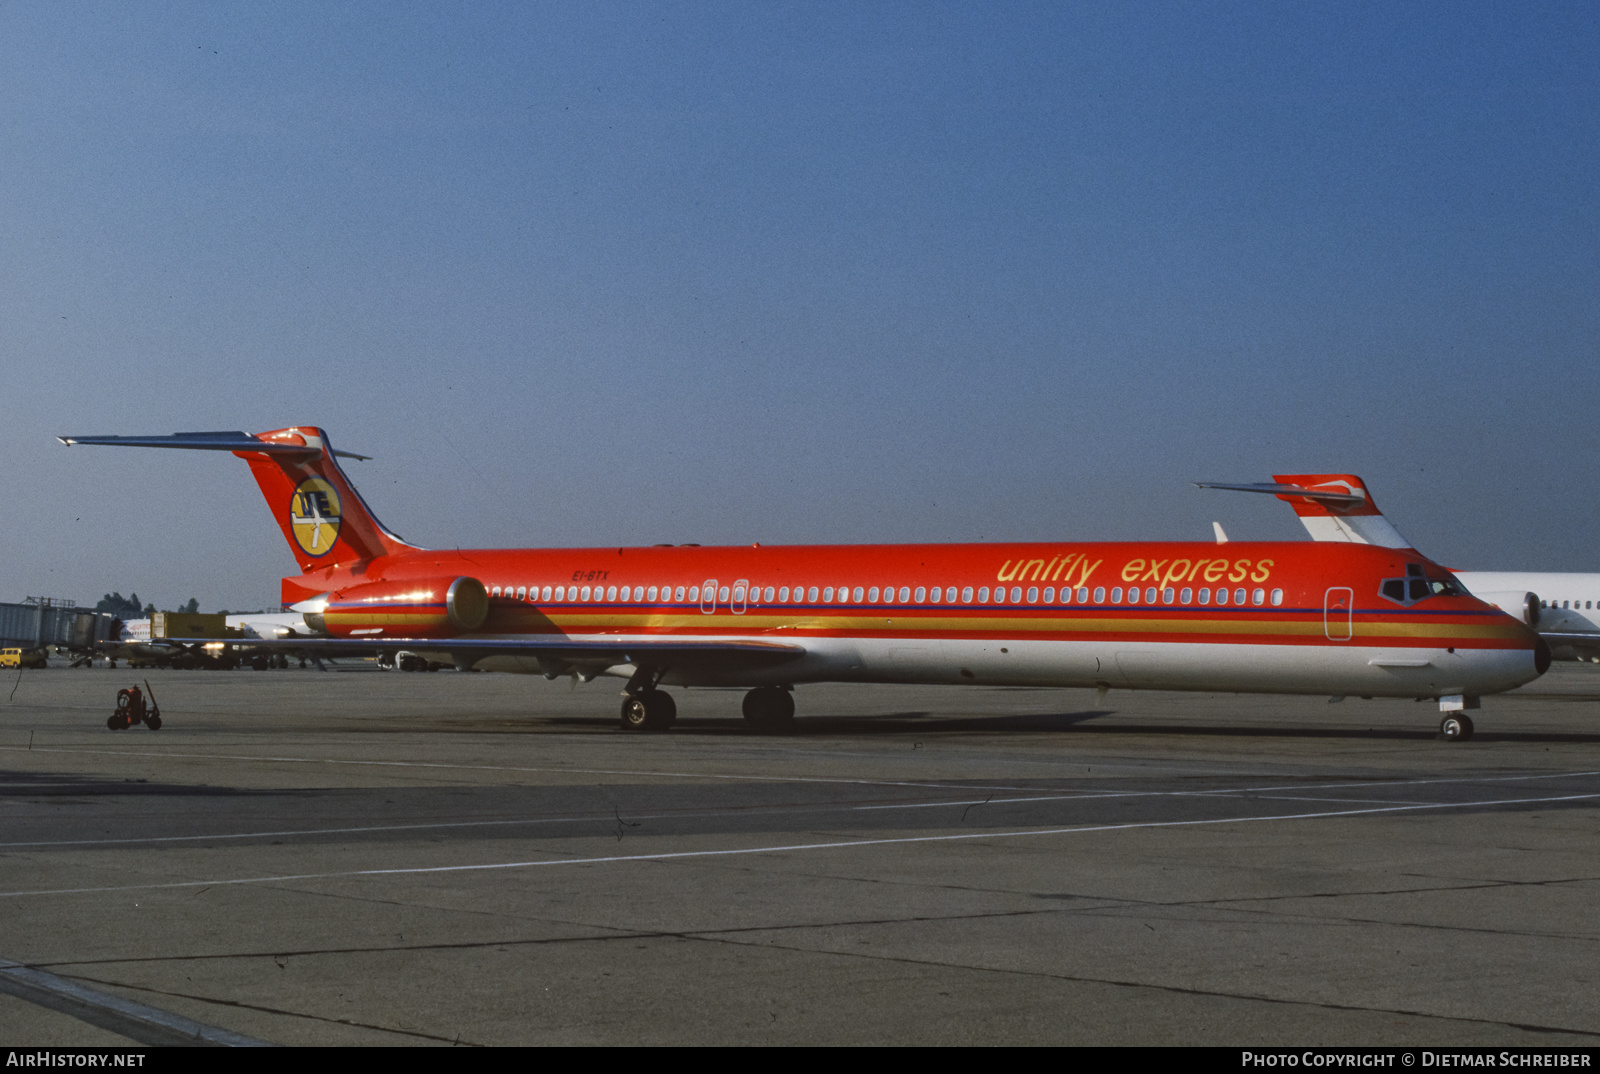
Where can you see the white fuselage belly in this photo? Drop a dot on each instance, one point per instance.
(1361, 670)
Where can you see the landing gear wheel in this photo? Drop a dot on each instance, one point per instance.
(153, 722)
(1455, 727)
(653, 710)
(769, 709)
(115, 722)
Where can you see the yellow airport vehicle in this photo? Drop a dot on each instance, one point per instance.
(23, 658)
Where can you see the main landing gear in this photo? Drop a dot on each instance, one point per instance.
(645, 708)
(769, 709)
(649, 710)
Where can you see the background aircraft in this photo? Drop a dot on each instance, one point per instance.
(1563, 607)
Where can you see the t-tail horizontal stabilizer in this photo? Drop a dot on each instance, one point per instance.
(1332, 507)
(322, 516)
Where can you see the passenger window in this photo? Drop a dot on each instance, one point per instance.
(1099, 594)
(1116, 594)
(584, 594)
(1033, 594)
(1050, 594)
(1205, 596)
(767, 594)
(495, 592)
(651, 595)
(983, 595)
(1277, 597)
(1083, 595)
(545, 593)
(872, 595)
(738, 593)
(933, 595)
(1187, 596)
(921, 594)
(858, 595)
(694, 594)
(1167, 595)
(1222, 596)
(638, 593)
(1238, 596)
(811, 595)
(1259, 596)
(1133, 594)
(1150, 595)
(679, 594)
(966, 595)
(827, 595)
(905, 594)
(1016, 594)
(522, 592)
(950, 595)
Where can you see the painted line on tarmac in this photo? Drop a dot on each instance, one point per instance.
(147, 1025)
(843, 844)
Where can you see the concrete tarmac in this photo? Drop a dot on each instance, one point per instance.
(366, 857)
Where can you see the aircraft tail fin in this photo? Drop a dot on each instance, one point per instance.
(1332, 507)
(321, 514)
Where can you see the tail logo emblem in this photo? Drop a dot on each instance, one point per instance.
(314, 516)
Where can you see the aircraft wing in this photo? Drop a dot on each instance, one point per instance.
(559, 654)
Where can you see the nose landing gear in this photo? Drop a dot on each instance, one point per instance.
(1455, 727)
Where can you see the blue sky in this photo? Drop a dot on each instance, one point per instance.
(594, 274)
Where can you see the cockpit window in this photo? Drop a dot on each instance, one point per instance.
(1419, 584)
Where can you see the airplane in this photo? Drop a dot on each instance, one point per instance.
(1272, 617)
(1340, 508)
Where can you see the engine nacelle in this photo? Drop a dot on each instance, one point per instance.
(419, 608)
(1517, 603)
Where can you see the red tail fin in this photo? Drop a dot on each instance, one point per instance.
(320, 512)
(1346, 513)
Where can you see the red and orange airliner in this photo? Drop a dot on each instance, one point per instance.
(1277, 617)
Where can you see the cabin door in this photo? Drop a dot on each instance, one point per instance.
(1337, 610)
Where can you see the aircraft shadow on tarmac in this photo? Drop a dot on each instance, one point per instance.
(66, 785)
(1074, 723)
